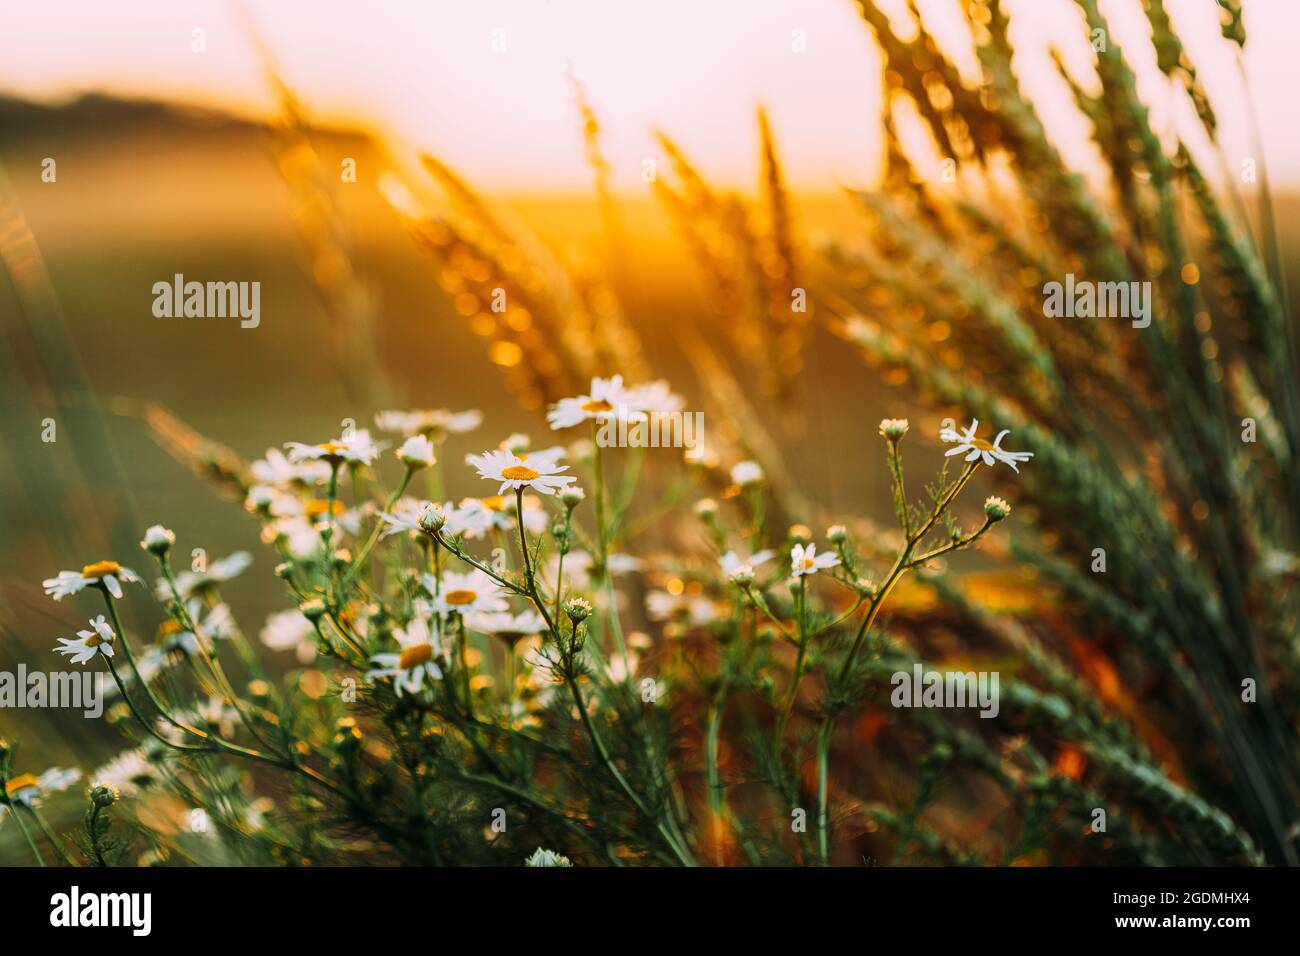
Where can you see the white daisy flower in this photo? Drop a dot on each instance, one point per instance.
(416, 452)
(300, 535)
(106, 574)
(278, 471)
(607, 399)
(578, 565)
(97, 640)
(732, 562)
(696, 609)
(129, 773)
(416, 661)
(619, 668)
(359, 447)
(655, 397)
(977, 448)
(435, 423)
(290, 631)
(746, 473)
(541, 474)
(804, 559)
(511, 628)
(405, 516)
(27, 789)
(470, 593)
(193, 583)
(215, 624)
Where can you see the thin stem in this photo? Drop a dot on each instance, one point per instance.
(369, 546)
(13, 810)
(823, 760)
(49, 835)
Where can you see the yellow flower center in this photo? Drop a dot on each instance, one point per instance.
(100, 569)
(332, 447)
(461, 598)
(21, 782)
(495, 503)
(597, 405)
(316, 508)
(808, 563)
(415, 656)
(981, 444)
(519, 473)
(94, 640)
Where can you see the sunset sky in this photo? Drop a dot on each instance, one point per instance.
(427, 73)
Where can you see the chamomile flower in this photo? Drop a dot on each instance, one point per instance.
(277, 471)
(416, 452)
(26, 789)
(747, 473)
(106, 574)
(470, 593)
(433, 423)
(290, 631)
(606, 399)
(214, 624)
(978, 449)
(511, 628)
(540, 474)
(696, 610)
(127, 773)
(97, 640)
(805, 560)
(655, 397)
(732, 562)
(357, 447)
(193, 583)
(405, 517)
(475, 517)
(416, 662)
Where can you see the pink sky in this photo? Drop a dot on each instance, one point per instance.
(427, 74)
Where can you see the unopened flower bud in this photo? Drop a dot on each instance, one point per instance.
(996, 508)
(312, 610)
(747, 474)
(578, 609)
(706, 508)
(103, 795)
(432, 517)
(572, 496)
(892, 429)
(837, 534)
(158, 540)
(416, 452)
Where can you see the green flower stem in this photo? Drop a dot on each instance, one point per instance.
(602, 544)
(823, 757)
(683, 855)
(209, 653)
(783, 715)
(369, 546)
(13, 811)
(717, 795)
(49, 835)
